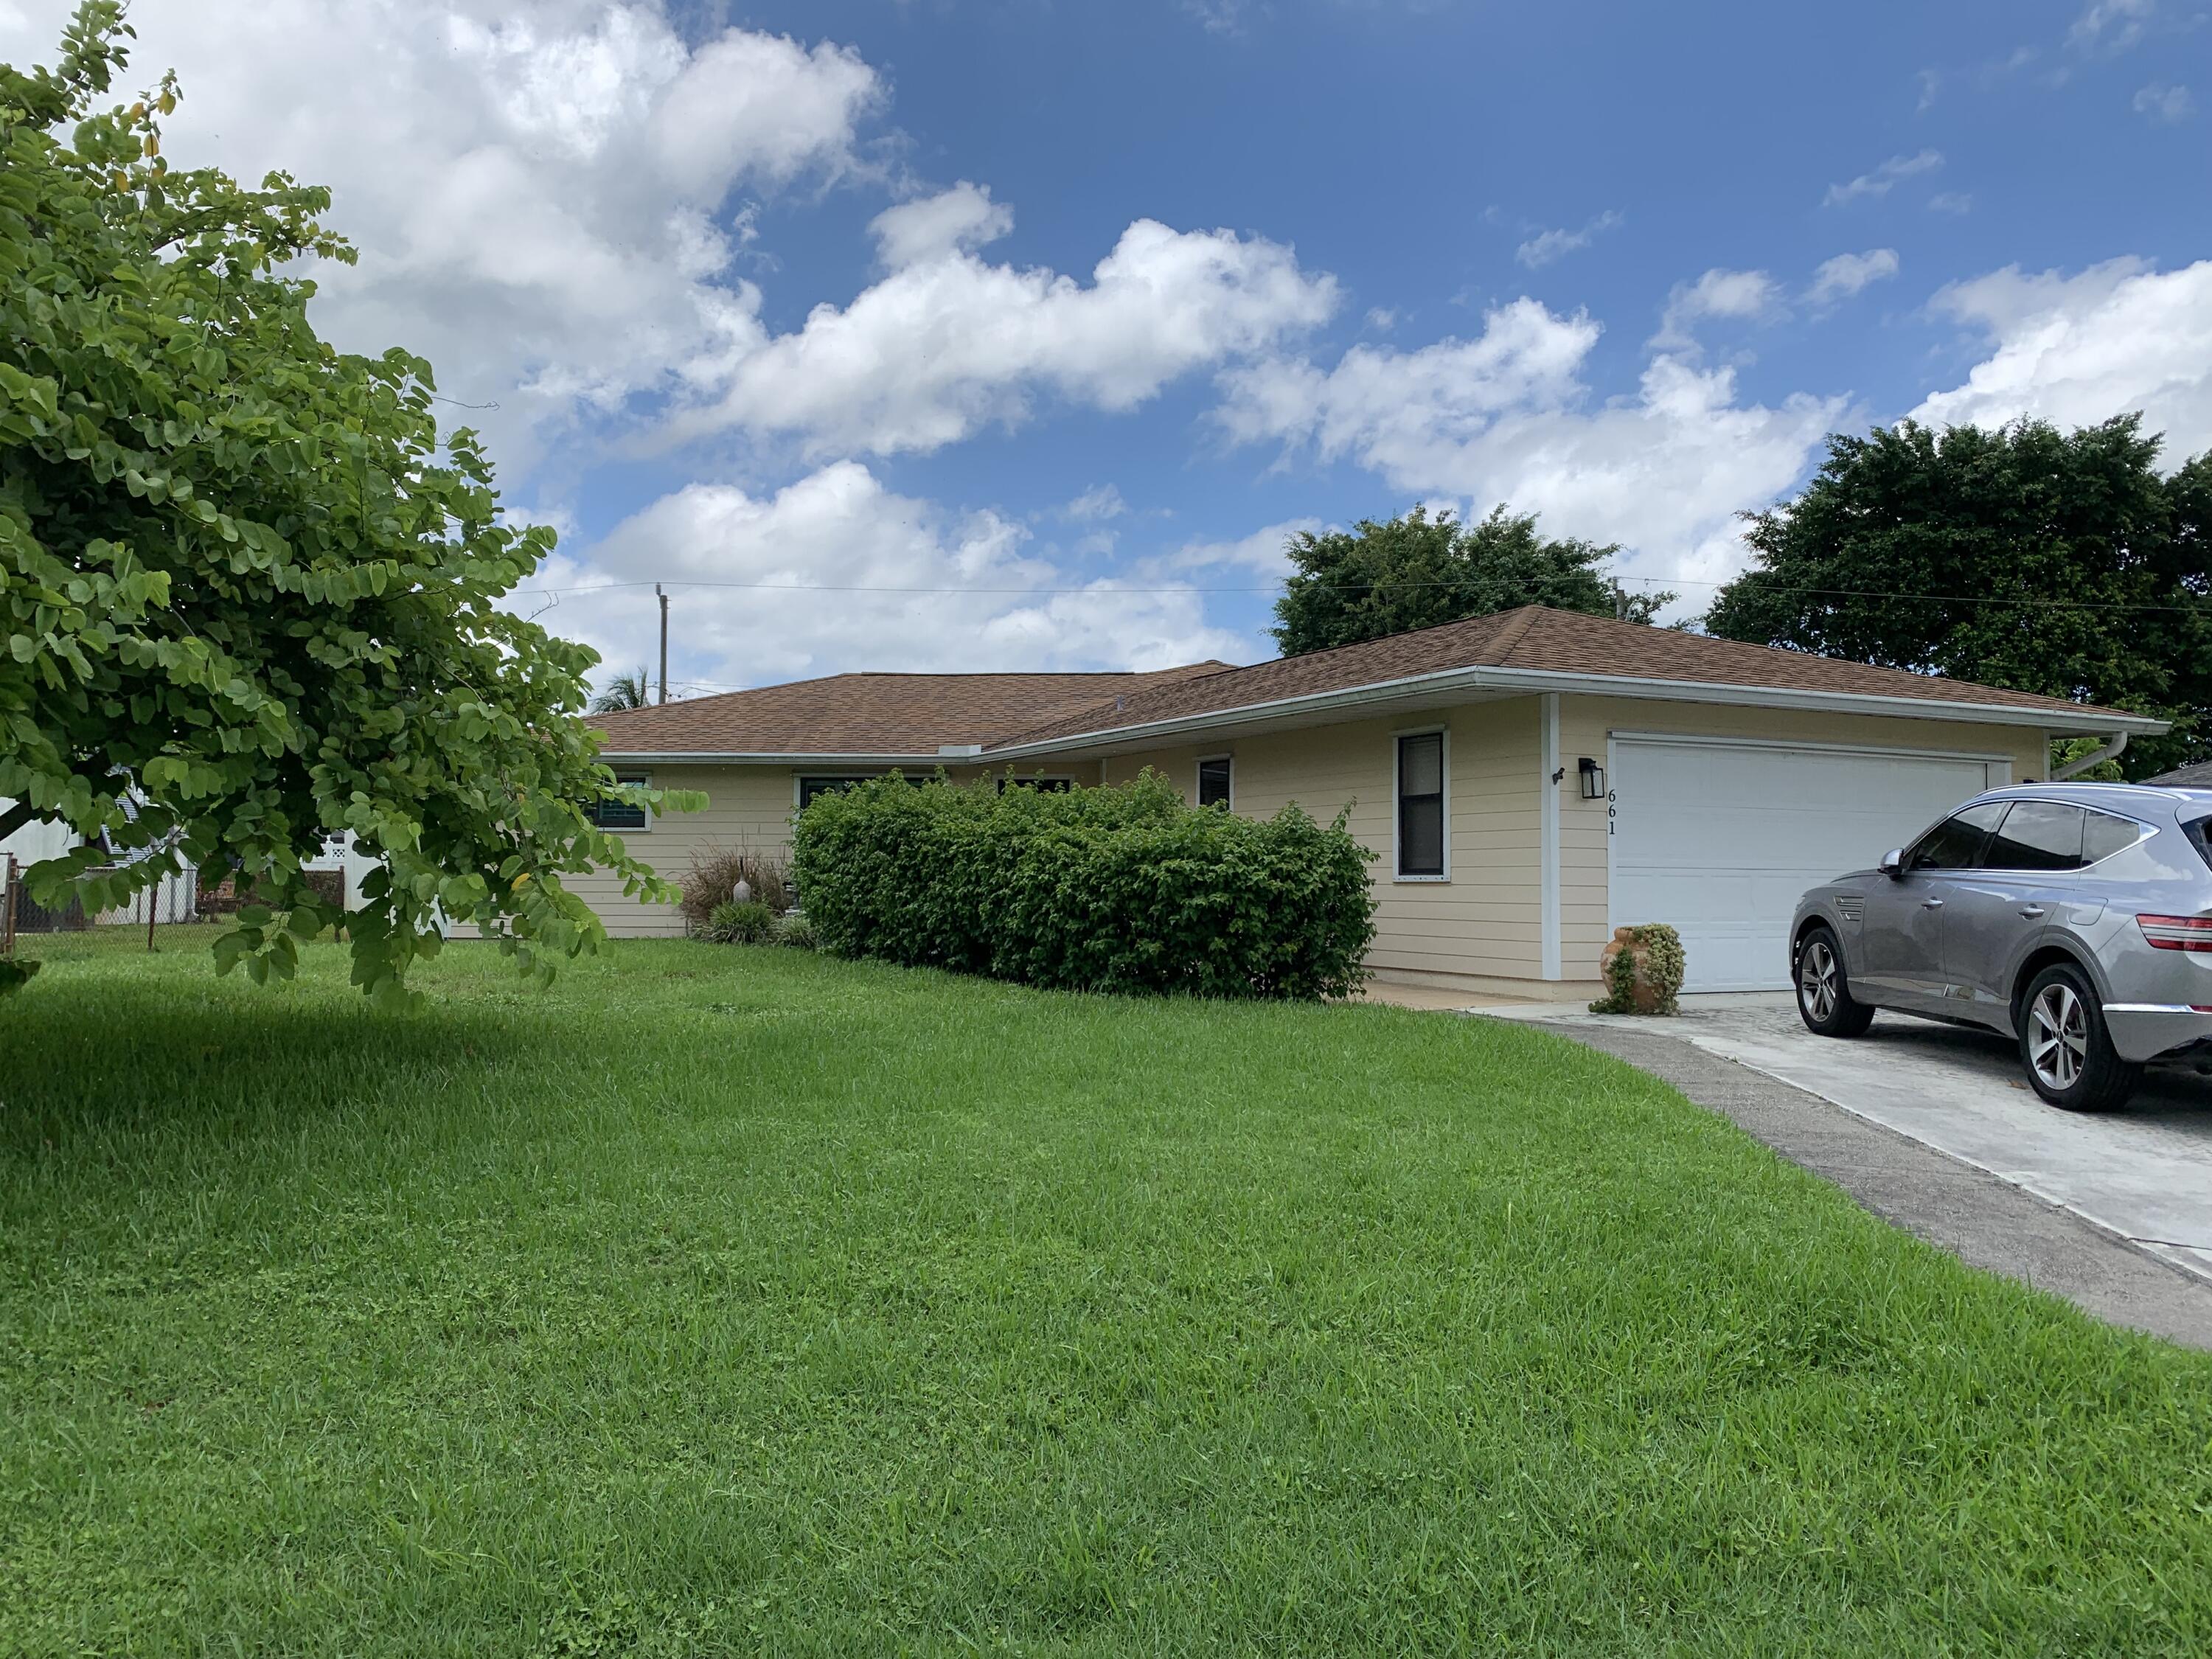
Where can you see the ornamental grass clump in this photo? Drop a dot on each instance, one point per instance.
(1125, 889)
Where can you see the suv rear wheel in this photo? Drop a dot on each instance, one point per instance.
(2068, 1053)
(1824, 990)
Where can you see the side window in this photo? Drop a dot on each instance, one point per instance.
(1956, 843)
(2037, 835)
(1213, 782)
(621, 814)
(2103, 835)
(1421, 805)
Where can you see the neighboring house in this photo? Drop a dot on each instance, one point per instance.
(1528, 780)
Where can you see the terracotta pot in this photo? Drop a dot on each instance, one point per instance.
(1644, 995)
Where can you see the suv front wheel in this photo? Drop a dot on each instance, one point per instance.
(1824, 990)
(2068, 1052)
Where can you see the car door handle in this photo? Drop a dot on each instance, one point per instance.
(1931, 904)
(2031, 911)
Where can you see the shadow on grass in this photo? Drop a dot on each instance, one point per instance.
(154, 1059)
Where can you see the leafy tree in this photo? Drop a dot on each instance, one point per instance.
(1416, 571)
(248, 595)
(2056, 563)
(631, 689)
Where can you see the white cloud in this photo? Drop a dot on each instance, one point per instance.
(931, 226)
(541, 199)
(1883, 178)
(1507, 417)
(1257, 558)
(937, 350)
(1951, 202)
(875, 562)
(2074, 350)
(1096, 505)
(1541, 250)
(1930, 82)
(1381, 319)
(2111, 25)
(1848, 273)
(2163, 102)
(1742, 294)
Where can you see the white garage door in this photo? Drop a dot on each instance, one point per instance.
(1721, 839)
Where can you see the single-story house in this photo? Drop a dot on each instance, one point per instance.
(1527, 779)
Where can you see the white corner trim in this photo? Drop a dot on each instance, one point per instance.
(1548, 828)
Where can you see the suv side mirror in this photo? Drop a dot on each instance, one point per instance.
(1893, 863)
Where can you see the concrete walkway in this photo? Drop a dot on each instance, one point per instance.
(1936, 1133)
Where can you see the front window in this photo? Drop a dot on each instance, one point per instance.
(1957, 843)
(622, 814)
(1421, 805)
(1213, 782)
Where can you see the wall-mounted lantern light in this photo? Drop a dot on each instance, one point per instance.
(1593, 778)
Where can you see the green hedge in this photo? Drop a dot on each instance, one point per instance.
(1123, 888)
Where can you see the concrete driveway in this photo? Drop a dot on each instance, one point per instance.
(2144, 1172)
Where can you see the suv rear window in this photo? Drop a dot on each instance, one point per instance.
(2105, 834)
(2037, 835)
(2195, 829)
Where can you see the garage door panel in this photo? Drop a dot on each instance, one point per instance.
(1720, 841)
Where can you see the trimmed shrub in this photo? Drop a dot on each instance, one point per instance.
(1120, 890)
(731, 923)
(714, 875)
(797, 932)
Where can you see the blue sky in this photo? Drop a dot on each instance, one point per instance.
(1019, 333)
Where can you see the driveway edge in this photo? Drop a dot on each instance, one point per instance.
(1982, 1218)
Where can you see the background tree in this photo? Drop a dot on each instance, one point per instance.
(1416, 571)
(631, 689)
(2056, 563)
(245, 585)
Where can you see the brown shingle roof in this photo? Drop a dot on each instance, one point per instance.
(878, 714)
(1532, 637)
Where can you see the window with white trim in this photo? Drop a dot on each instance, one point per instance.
(1214, 781)
(1421, 805)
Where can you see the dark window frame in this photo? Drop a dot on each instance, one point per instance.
(1405, 805)
(621, 817)
(1227, 777)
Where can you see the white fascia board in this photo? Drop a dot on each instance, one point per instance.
(1538, 680)
(712, 757)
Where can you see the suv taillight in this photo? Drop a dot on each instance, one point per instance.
(2177, 933)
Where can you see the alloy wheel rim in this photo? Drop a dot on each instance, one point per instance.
(2058, 1036)
(1816, 979)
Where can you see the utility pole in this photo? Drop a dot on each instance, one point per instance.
(663, 598)
(1619, 604)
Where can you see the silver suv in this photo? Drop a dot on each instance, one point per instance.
(2074, 917)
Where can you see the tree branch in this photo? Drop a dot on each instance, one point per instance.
(15, 818)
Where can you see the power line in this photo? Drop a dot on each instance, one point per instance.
(1362, 588)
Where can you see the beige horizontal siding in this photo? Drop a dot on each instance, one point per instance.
(1486, 920)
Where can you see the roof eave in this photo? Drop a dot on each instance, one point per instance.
(1535, 680)
(759, 757)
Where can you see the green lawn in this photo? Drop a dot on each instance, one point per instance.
(729, 1300)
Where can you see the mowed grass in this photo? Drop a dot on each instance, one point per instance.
(726, 1300)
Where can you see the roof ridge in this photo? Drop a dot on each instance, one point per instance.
(1520, 620)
